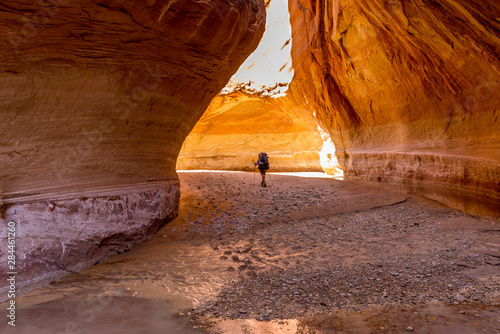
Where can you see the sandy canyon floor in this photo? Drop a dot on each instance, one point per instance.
(304, 255)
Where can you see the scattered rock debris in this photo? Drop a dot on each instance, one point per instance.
(303, 249)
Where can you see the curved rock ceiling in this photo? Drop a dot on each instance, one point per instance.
(97, 97)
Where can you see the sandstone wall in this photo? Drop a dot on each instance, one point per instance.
(97, 97)
(236, 127)
(406, 89)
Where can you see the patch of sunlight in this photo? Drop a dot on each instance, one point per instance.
(208, 171)
(310, 175)
(298, 174)
(327, 157)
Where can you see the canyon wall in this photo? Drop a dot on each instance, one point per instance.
(96, 98)
(406, 89)
(238, 126)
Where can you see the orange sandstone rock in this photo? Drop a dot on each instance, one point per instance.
(238, 126)
(97, 97)
(406, 89)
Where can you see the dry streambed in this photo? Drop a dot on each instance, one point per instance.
(307, 248)
(304, 255)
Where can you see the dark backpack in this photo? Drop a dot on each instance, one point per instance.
(264, 161)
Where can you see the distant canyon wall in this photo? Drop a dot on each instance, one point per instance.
(406, 89)
(236, 127)
(97, 97)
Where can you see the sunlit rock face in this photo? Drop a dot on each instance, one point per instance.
(238, 126)
(256, 113)
(406, 89)
(97, 97)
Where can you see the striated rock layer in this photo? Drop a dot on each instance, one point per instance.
(238, 126)
(406, 89)
(97, 98)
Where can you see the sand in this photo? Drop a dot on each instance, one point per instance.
(304, 255)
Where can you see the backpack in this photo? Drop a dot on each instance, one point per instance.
(264, 160)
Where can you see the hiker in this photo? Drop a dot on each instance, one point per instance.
(263, 164)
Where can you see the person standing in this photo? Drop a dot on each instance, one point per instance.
(263, 165)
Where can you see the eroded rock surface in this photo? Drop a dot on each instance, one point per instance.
(97, 98)
(406, 89)
(238, 126)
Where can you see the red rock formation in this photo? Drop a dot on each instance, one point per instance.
(97, 97)
(407, 89)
